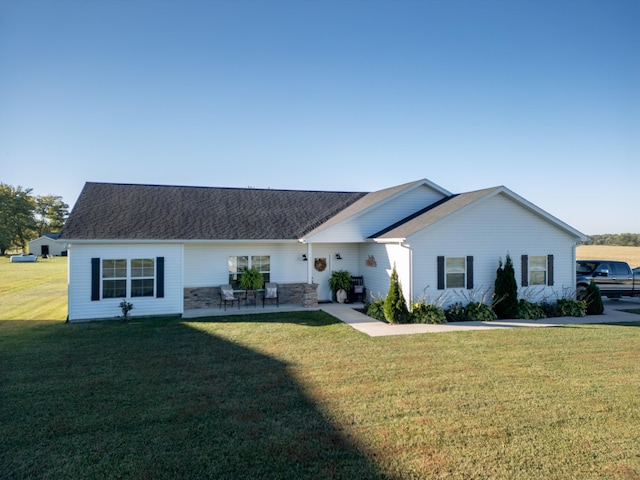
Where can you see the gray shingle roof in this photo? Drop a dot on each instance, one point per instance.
(155, 212)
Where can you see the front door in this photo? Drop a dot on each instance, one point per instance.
(321, 275)
(44, 250)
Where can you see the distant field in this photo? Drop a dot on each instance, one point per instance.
(631, 255)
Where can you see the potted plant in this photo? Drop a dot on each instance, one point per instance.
(251, 279)
(340, 283)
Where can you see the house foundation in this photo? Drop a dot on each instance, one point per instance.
(304, 294)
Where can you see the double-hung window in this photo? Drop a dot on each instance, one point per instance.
(455, 268)
(455, 272)
(538, 270)
(142, 277)
(117, 279)
(114, 278)
(123, 277)
(239, 263)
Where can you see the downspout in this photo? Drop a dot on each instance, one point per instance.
(408, 247)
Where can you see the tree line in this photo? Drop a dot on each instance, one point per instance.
(617, 239)
(24, 217)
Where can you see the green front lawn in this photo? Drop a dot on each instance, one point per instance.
(300, 395)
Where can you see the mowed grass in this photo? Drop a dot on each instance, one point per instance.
(631, 255)
(33, 290)
(303, 396)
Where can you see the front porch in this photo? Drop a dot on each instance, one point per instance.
(290, 295)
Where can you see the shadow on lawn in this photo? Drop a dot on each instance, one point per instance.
(159, 400)
(310, 318)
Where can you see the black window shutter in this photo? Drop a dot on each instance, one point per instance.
(469, 273)
(550, 270)
(525, 270)
(160, 277)
(440, 273)
(95, 279)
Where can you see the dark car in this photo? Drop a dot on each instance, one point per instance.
(614, 279)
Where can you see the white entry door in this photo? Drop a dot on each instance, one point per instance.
(321, 275)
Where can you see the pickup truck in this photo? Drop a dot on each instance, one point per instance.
(614, 279)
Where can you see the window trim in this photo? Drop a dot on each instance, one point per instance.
(144, 277)
(527, 271)
(106, 278)
(534, 269)
(97, 279)
(442, 272)
(251, 260)
(447, 273)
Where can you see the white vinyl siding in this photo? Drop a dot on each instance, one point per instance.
(206, 264)
(489, 232)
(81, 307)
(361, 227)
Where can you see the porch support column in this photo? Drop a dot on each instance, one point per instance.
(310, 263)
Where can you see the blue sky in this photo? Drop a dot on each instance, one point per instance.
(540, 96)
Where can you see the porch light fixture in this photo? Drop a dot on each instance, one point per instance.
(304, 257)
(338, 256)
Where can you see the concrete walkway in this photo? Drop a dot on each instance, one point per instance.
(375, 328)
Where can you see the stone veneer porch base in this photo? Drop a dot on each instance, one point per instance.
(304, 294)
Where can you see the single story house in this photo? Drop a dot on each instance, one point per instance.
(167, 249)
(47, 245)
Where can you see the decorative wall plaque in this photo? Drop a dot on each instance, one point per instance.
(371, 261)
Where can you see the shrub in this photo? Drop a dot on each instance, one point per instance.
(455, 313)
(472, 311)
(572, 308)
(530, 311)
(427, 313)
(551, 309)
(125, 307)
(375, 308)
(395, 306)
(505, 303)
(480, 312)
(593, 298)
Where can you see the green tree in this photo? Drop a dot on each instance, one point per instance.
(50, 213)
(16, 217)
(395, 306)
(505, 297)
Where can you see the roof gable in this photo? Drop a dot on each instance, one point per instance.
(106, 211)
(432, 215)
(374, 200)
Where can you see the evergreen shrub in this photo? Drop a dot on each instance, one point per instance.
(593, 298)
(395, 306)
(505, 299)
